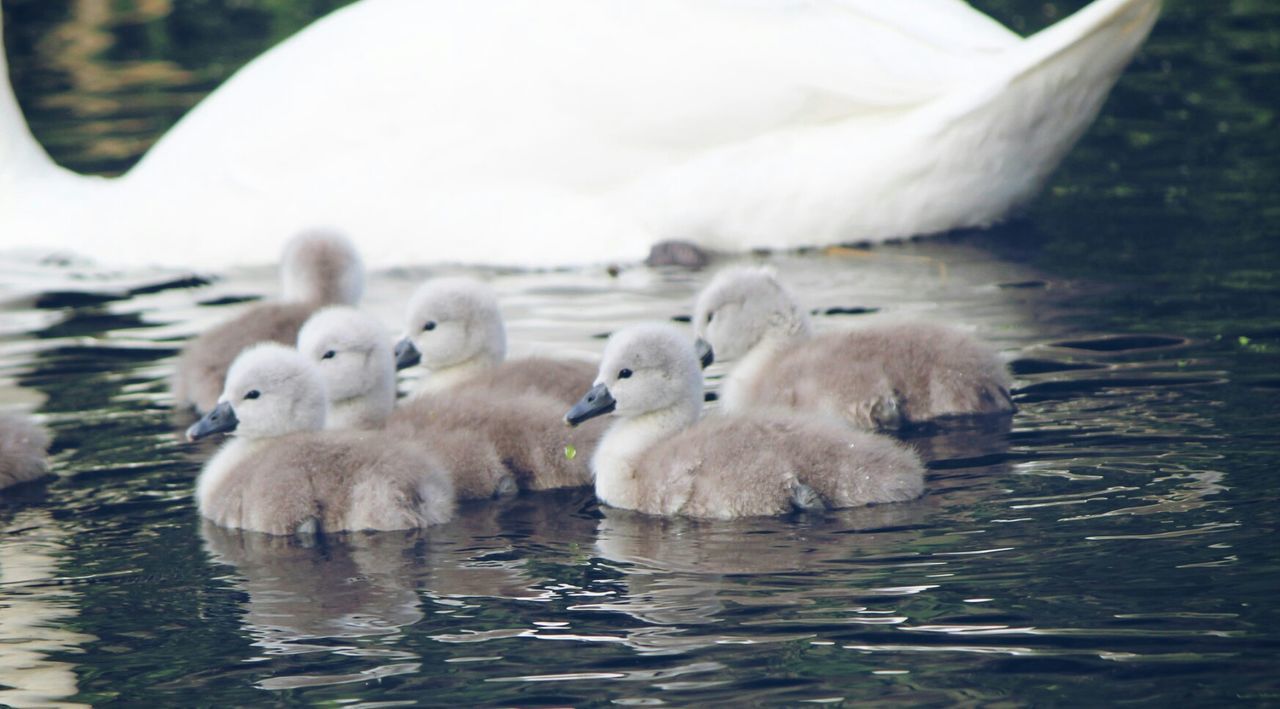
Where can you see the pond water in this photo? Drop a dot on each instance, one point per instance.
(1112, 543)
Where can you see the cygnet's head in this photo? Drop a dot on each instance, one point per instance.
(321, 267)
(351, 351)
(645, 368)
(742, 306)
(451, 321)
(271, 390)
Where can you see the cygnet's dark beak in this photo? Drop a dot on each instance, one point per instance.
(221, 420)
(597, 402)
(406, 354)
(705, 353)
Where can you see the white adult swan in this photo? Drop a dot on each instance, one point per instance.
(547, 132)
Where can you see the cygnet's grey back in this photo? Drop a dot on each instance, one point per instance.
(764, 464)
(317, 268)
(526, 429)
(472, 458)
(561, 379)
(23, 447)
(880, 376)
(282, 474)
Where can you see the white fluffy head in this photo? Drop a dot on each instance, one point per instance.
(352, 352)
(274, 391)
(454, 320)
(321, 267)
(742, 306)
(650, 368)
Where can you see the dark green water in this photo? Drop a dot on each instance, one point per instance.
(1114, 544)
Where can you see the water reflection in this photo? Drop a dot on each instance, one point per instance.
(350, 596)
(36, 619)
(681, 574)
(353, 595)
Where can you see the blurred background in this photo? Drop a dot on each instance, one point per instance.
(1175, 180)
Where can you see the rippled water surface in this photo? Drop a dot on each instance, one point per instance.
(1113, 543)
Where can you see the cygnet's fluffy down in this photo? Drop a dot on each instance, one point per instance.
(493, 441)
(282, 474)
(455, 330)
(525, 428)
(317, 268)
(876, 376)
(658, 458)
(23, 447)
(352, 353)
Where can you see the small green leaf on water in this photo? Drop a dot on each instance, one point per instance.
(1242, 340)
(570, 452)
(1182, 363)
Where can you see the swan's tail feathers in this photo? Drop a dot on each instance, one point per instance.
(1025, 117)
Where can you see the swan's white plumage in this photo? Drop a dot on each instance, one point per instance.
(569, 131)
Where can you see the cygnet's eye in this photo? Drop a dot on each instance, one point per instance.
(710, 314)
(253, 394)
(330, 354)
(624, 373)
(431, 325)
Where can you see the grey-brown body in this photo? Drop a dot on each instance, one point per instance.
(726, 467)
(472, 459)
(23, 448)
(879, 376)
(524, 429)
(561, 379)
(324, 482)
(661, 457)
(203, 364)
(873, 377)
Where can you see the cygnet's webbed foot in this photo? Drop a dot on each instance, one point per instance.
(886, 413)
(308, 527)
(805, 498)
(506, 487)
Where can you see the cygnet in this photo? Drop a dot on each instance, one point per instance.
(659, 458)
(23, 445)
(455, 330)
(281, 474)
(317, 268)
(493, 441)
(877, 376)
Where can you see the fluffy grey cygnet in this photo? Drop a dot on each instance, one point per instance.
(455, 331)
(493, 441)
(282, 474)
(23, 448)
(317, 268)
(659, 458)
(876, 376)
